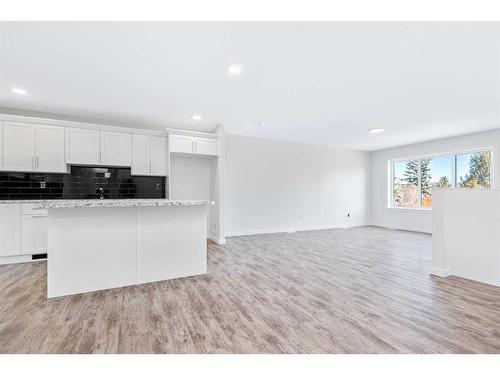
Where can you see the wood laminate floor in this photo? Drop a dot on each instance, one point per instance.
(358, 290)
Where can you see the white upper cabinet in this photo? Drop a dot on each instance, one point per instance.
(192, 145)
(181, 143)
(83, 146)
(158, 156)
(140, 154)
(116, 149)
(149, 155)
(1, 144)
(19, 144)
(10, 230)
(32, 147)
(205, 146)
(50, 149)
(98, 147)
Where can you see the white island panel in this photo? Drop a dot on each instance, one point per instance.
(91, 249)
(172, 242)
(95, 245)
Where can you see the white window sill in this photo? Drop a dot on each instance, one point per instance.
(411, 210)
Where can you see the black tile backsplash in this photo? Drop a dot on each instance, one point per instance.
(82, 183)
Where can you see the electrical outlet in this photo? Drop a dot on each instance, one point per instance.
(214, 228)
(43, 184)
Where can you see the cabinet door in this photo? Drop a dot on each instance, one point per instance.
(82, 146)
(1, 145)
(140, 154)
(10, 228)
(19, 146)
(34, 234)
(206, 146)
(158, 156)
(50, 149)
(181, 143)
(116, 149)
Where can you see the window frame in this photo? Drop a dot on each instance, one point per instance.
(454, 154)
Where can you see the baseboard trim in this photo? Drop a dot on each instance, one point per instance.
(292, 230)
(18, 259)
(441, 272)
(400, 227)
(217, 240)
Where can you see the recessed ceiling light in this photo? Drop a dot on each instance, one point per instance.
(197, 117)
(18, 91)
(376, 130)
(234, 69)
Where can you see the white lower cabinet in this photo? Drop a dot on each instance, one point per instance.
(23, 230)
(10, 229)
(33, 230)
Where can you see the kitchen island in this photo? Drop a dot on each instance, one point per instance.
(102, 244)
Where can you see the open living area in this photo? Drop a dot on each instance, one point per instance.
(249, 187)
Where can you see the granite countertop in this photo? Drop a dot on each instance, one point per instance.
(75, 203)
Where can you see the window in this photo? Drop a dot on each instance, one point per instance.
(474, 170)
(439, 173)
(414, 179)
(405, 192)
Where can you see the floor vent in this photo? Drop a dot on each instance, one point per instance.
(38, 256)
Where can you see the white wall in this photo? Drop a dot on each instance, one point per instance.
(193, 177)
(381, 215)
(275, 186)
(466, 236)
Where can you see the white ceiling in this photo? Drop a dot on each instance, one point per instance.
(320, 83)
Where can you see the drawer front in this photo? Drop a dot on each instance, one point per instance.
(29, 209)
